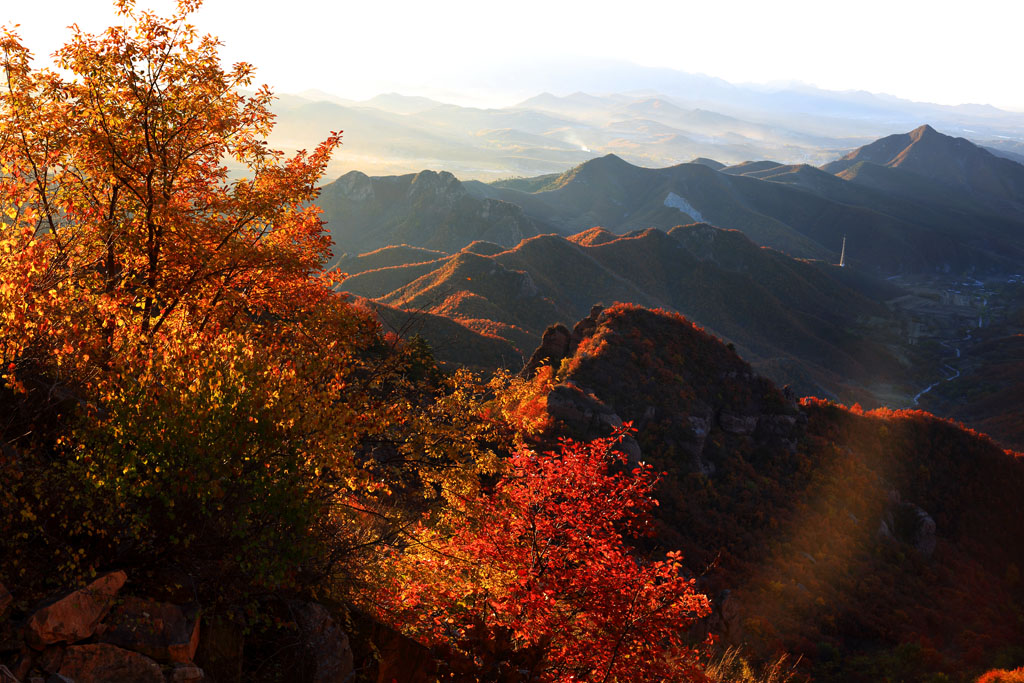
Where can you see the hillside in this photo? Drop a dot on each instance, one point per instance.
(427, 209)
(878, 546)
(798, 321)
(988, 392)
(944, 159)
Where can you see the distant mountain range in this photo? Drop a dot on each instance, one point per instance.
(918, 202)
(649, 117)
(505, 260)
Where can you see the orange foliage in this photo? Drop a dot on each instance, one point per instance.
(1002, 676)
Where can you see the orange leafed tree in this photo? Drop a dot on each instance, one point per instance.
(536, 580)
(120, 176)
(163, 273)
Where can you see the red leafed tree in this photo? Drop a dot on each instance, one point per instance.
(535, 581)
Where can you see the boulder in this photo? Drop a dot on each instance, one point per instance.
(75, 616)
(165, 632)
(326, 643)
(104, 663)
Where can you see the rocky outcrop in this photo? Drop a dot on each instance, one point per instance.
(908, 524)
(737, 424)
(587, 417)
(167, 633)
(94, 635)
(555, 345)
(558, 343)
(103, 663)
(355, 186)
(75, 616)
(586, 327)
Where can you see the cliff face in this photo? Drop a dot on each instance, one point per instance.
(829, 530)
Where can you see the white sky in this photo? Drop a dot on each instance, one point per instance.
(936, 50)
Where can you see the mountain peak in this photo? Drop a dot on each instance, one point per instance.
(949, 161)
(924, 130)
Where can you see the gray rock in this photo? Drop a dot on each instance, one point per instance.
(909, 524)
(737, 424)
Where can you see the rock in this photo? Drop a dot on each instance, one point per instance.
(165, 632)
(737, 424)
(908, 524)
(527, 287)
(51, 659)
(355, 186)
(104, 663)
(185, 672)
(701, 426)
(554, 346)
(588, 417)
(26, 660)
(586, 327)
(75, 616)
(326, 643)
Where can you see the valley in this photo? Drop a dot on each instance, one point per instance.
(674, 379)
(929, 258)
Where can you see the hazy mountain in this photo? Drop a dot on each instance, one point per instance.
(400, 104)
(395, 134)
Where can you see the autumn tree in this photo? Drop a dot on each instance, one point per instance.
(185, 380)
(536, 579)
